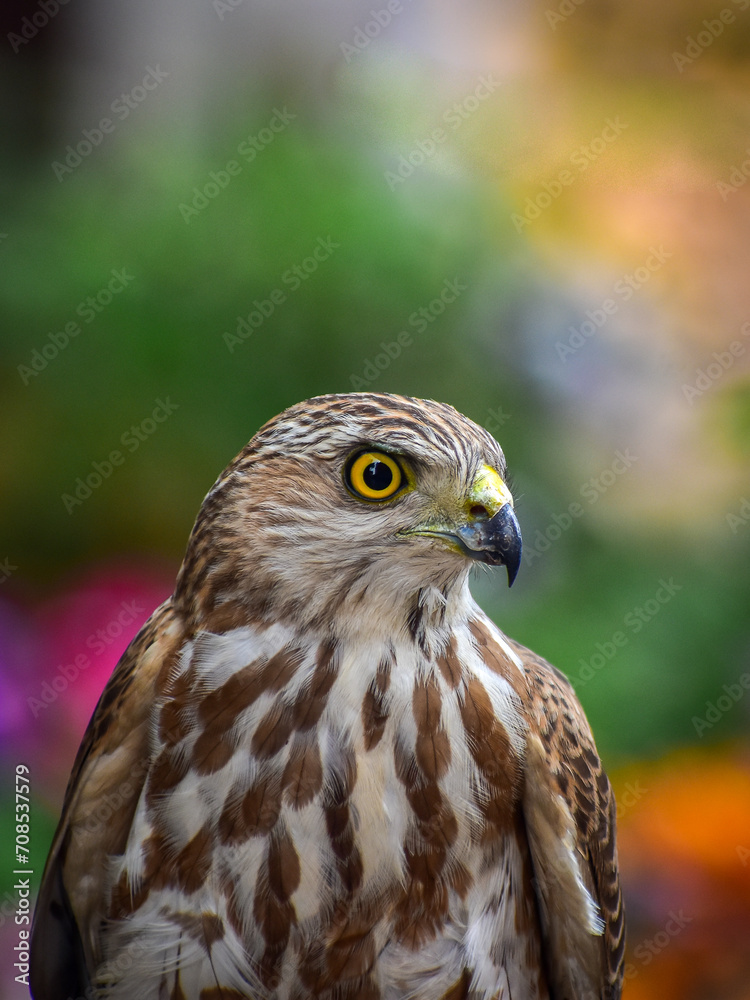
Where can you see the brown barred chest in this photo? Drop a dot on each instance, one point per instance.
(321, 811)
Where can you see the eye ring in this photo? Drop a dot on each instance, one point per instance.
(374, 475)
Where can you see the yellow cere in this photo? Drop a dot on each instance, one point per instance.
(489, 490)
(374, 475)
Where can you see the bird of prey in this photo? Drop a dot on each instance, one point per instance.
(320, 770)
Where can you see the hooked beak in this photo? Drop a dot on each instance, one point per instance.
(487, 529)
(496, 541)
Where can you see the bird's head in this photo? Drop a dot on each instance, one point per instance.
(347, 502)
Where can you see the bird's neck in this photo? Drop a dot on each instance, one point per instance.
(362, 600)
(378, 607)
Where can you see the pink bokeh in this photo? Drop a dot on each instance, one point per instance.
(56, 660)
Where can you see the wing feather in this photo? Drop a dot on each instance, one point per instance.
(569, 816)
(568, 796)
(100, 800)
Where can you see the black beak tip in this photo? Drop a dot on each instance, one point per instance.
(509, 544)
(513, 567)
(496, 541)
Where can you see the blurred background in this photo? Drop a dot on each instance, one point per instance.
(536, 212)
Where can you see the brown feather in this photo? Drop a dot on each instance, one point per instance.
(90, 830)
(349, 786)
(557, 716)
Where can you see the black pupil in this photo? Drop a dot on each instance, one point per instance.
(377, 476)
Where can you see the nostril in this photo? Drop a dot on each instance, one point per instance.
(479, 511)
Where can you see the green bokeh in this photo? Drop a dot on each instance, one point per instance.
(163, 338)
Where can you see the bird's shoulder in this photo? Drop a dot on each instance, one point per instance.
(100, 800)
(569, 813)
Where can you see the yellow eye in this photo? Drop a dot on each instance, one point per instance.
(374, 475)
